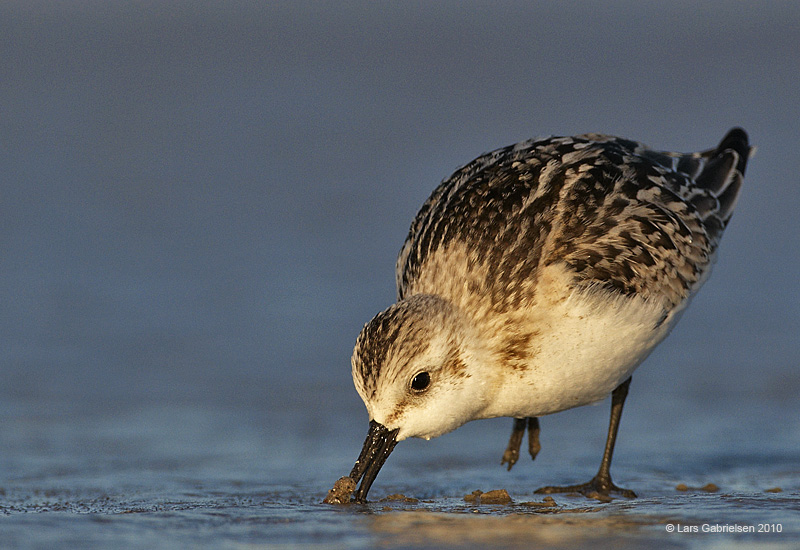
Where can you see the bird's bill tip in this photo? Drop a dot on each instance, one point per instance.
(377, 447)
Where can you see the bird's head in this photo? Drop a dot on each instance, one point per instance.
(413, 366)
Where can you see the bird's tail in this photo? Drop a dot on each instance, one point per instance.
(722, 171)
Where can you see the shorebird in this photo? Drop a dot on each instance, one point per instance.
(536, 279)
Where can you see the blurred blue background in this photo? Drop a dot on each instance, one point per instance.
(201, 203)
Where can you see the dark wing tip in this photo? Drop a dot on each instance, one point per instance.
(736, 140)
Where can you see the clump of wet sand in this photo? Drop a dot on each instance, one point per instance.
(341, 492)
(497, 496)
(708, 488)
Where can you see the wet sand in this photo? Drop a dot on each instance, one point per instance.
(184, 476)
(223, 515)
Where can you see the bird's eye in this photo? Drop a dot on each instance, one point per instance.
(420, 382)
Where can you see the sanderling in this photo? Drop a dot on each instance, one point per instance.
(536, 279)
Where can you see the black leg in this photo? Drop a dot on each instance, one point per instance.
(601, 485)
(511, 454)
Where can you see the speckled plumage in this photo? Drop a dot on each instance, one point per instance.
(620, 215)
(538, 277)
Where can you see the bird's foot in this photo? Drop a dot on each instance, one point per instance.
(599, 488)
(510, 457)
(533, 441)
(511, 454)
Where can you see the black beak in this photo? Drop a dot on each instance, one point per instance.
(377, 448)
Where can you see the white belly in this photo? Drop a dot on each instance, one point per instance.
(588, 343)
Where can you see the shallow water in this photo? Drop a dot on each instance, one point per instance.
(201, 205)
